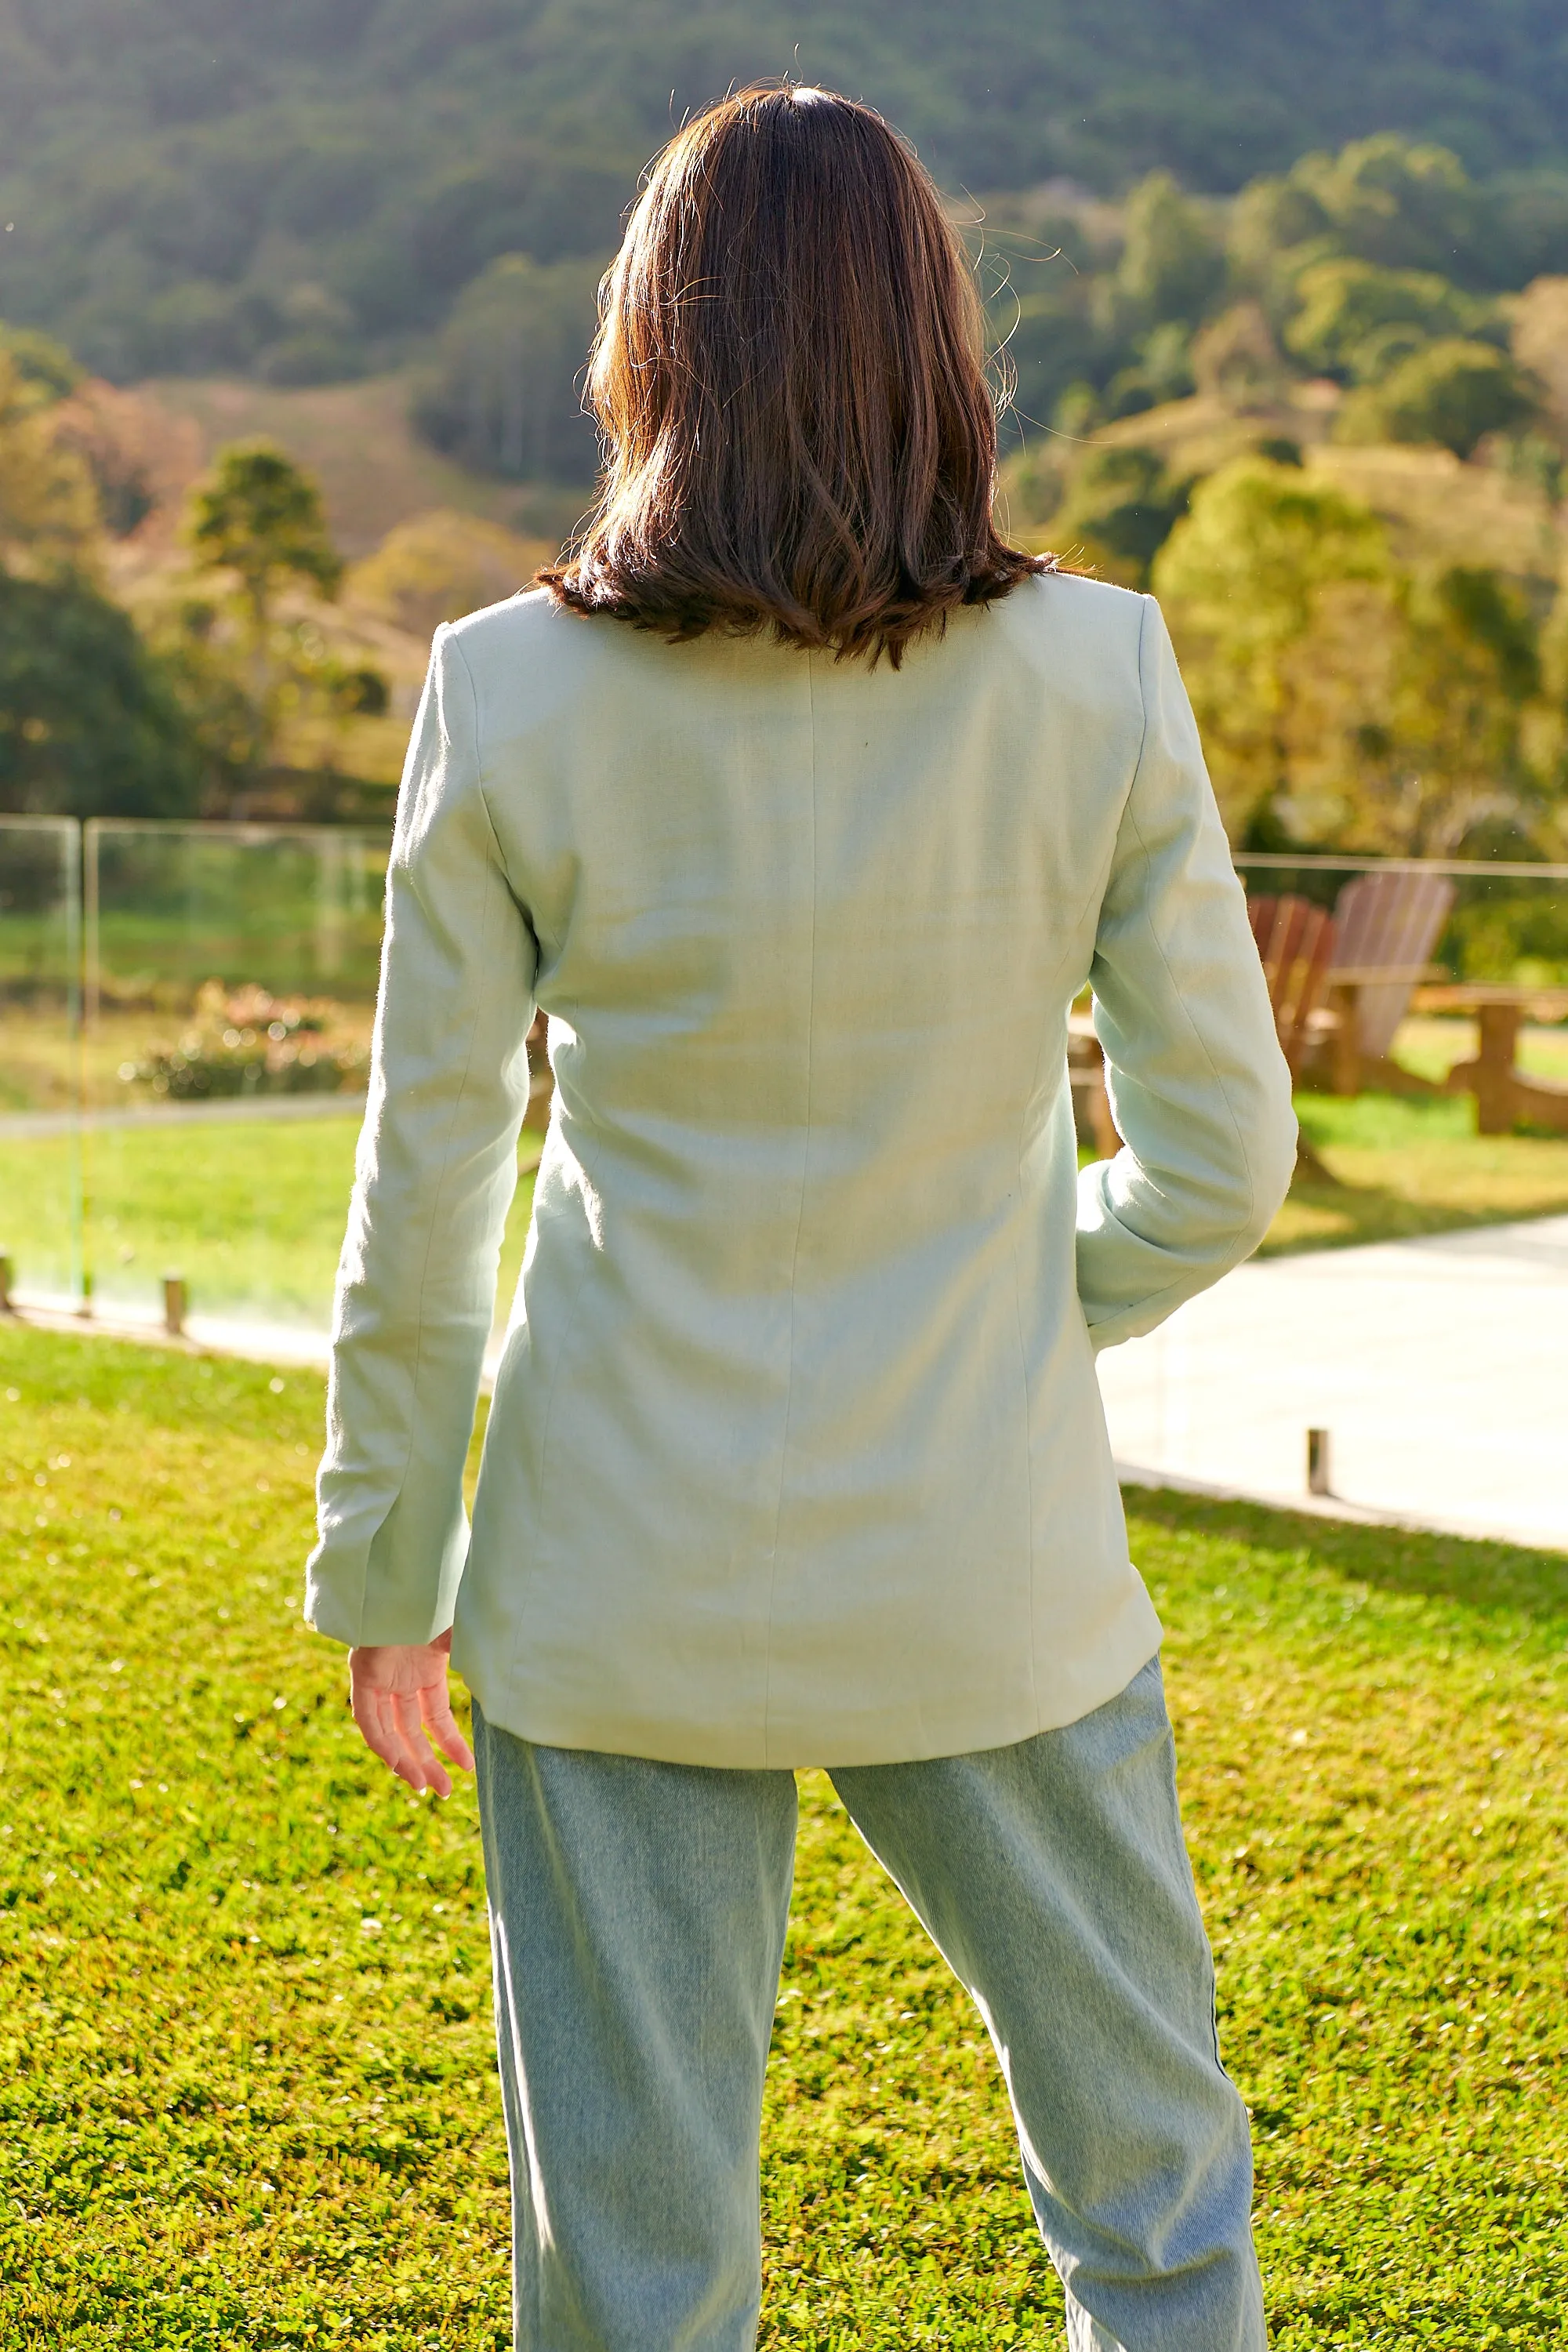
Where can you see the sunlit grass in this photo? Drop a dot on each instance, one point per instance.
(1430, 1044)
(250, 1212)
(246, 2081)
(1413, 1166)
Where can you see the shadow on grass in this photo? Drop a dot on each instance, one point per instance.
(1393, 1170)
(1490, 1580)
(1345, 1216)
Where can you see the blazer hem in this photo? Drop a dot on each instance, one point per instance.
(1063, 1697)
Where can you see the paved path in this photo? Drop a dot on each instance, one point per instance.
(304, 1344)
(1439, 1368)
(19, 1126)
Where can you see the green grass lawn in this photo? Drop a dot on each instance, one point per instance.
(1430, 1044)
(244, 2058)
(251, 1214)
(1405, 1166)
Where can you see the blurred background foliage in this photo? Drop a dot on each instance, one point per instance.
(199, 186)
(1318, 401)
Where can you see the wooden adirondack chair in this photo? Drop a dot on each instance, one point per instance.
(1296, 942)
(1388, 925)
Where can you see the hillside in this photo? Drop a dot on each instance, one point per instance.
(1248, 357)
(1436, 509)
(356, 442)
(301, 191)
(424, 540)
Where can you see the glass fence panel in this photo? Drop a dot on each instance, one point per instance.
(194, 1115)
(230, 987)
(40, 1073)
(1391, 1346)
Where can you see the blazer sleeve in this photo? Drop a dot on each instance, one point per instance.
(1198, 1086)
(435, 1174)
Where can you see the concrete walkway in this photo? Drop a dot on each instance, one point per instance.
(302, 1344)
(22, 1126)
(1439, 1368)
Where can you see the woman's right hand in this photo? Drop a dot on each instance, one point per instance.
(400, 1701)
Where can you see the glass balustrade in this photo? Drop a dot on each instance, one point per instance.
(41, 1221)
(229, 986)
(185, 1015)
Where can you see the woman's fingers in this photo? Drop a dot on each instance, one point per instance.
(383, 1735)
(399, 1695)
(442, 1724)
(408, 1709)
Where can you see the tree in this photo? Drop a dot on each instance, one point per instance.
(1263, 558)
(1273, 219)
(89, 724)
(259, 519)
(1340, 699)
(1055, 337)
(1173, 263)
(48, 516)
(1541, 345)
(508, 395)
(1468, 672)
(1403, 203)
(1356, 321)
(440, 565)
(1118, 511)
(45, 367)
(1235, 359)
(138, 453)
(1453, 393)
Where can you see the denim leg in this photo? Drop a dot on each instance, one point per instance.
(1054, 1877)
(638, 1917)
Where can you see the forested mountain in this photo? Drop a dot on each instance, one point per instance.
(1281, 288)
(305, 188)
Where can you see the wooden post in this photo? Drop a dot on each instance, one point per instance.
(1491, 1073)
(1345, 999)
(174, 1305)
(7, 1276)
(1318, 1461)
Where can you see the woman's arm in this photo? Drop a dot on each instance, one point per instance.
(435, 1172)
(1198, 1086)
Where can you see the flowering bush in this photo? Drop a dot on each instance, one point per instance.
(244, 1041)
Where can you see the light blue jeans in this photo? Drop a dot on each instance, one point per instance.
(637, 1914)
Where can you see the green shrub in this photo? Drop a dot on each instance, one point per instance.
(250, 1042)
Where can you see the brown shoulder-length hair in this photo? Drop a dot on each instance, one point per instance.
(789, 381)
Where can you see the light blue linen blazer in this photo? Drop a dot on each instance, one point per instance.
(796, 1454)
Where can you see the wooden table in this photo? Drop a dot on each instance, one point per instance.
(1503, 1094)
